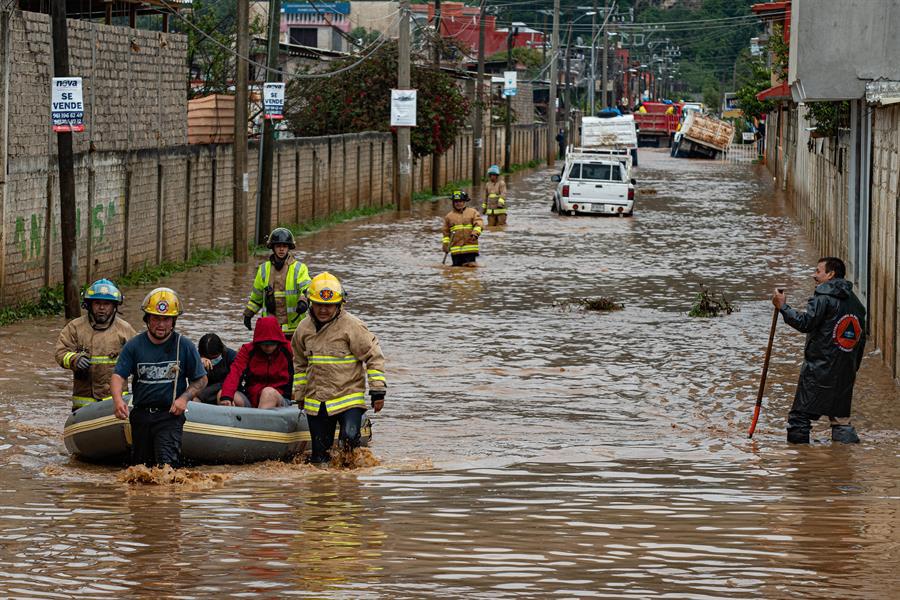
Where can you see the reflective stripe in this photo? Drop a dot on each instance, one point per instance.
(102, 360)
(463, 249)
(79, 401)
(335, 404)
(477, 230)
(300, 378)
(445, 240)
(67, 359)
(459, 227)
(333, 360)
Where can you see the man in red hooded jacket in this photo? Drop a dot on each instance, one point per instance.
(263, 371)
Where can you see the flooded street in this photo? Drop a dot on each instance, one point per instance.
(526, 450)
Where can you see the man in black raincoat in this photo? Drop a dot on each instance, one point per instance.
(835, 328)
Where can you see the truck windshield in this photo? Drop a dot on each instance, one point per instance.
(597, 172)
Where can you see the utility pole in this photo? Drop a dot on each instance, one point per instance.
(551, 103)
(404, 150)
(66, 162)
(477, 135)
(241, 177)
(268, 149)
(435, 159)
(568, 111)
(509, 67)
(591, 92)
(604, 102)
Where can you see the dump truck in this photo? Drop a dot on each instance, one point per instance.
(702, 136)
(657, 126)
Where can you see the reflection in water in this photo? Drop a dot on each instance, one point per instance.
(524, 450)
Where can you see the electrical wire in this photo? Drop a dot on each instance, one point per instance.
(265, 67)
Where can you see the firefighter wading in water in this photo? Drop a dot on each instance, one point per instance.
(335, 356)
(90, 344)
(462, 227)
(279, 285)
(494, 205)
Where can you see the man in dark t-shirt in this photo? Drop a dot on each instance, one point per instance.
(166, 374)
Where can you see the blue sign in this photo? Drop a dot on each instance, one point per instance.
(314, 8)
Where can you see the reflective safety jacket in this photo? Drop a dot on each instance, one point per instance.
(101, 345)
(288, 285)
(461, 229)
(333, 365)
(495, 198)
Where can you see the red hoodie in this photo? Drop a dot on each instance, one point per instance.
(253, 369)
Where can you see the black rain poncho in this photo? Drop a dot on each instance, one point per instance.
(835, 328)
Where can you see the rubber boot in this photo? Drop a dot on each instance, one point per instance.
(798, 427)
(844, 434)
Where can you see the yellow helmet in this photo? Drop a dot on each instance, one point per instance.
(325, 289)
(163, 302)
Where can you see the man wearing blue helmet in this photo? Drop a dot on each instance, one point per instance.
(89, 345)
(494, 204)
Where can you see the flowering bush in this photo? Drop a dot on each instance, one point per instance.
(360, 100)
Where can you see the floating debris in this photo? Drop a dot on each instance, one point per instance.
(709, 304)
(600, 304)
(647, 191)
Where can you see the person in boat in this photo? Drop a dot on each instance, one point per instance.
(462, 227)
(494, 204)
(217, 359)
(335, 357)
(263, 371)
(166, 373)
(89, 345)
(279, 284)
(835, 328)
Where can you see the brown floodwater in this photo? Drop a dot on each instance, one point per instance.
(524, 451)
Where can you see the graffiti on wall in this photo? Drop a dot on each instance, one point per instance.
(30, 231)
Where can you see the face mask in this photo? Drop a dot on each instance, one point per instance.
(216, 360)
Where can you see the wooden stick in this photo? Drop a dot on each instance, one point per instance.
(765, 372)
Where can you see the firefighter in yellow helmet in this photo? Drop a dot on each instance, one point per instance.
(494, 204)
(166, 374)
(90, 344)
(336, 358)
(279, 284)
(462, 227)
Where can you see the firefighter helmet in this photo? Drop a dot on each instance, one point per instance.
(459, 196)
(163, 302)
(102, 289)
(494, 170)
(280, 235)
(325, 289)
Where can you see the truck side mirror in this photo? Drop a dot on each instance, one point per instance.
(633, 181)
(556, 179)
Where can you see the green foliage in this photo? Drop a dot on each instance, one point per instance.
(780, 52)
(364, 36)
(746, 95)
(709, 304)
(210, 64)
(498, 112)
(530, 58)
(711, 95)
(443, 192)
(359, 100)
(50, 302)
(828, 117)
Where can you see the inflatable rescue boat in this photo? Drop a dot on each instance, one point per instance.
(212, 434)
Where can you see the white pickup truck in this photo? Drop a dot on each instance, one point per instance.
(594, 182)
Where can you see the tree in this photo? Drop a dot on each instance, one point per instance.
(363, 36)
(746, 95)
(359, 100)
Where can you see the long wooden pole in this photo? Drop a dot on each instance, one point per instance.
(268, 149)
(478, 125)
(436, 158)
(765, 372)
(66, 162)
(551, 104)
(404, 148)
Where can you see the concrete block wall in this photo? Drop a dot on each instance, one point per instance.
(133, 85)
(138, 208)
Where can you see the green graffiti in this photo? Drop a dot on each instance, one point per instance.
(20, 237)
(35, 236)
(97, 225)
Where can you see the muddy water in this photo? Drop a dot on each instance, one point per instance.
(525, 450)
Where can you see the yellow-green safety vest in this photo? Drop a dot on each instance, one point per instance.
(295, 284)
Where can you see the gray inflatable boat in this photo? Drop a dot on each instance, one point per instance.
(212, 434)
